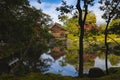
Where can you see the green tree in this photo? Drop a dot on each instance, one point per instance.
(90, 25)
(81, 22)
(101, 28)
(23, 31)
(114, 27)
(14, 26)
(71, 26)
(111, 9)
(91, 18)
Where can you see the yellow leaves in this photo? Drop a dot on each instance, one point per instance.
(91, 18)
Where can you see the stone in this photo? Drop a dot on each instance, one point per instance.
(96, 72)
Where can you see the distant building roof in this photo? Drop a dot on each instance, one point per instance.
(57, 25)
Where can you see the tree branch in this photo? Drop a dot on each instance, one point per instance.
(114, 41)
(86, 9)
(80, 12)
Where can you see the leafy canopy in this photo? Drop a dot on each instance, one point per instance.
(115, 26)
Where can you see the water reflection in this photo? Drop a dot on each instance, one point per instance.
(58, 60)
(60, 66)
(64, 67)
(101, 63)
(64, 59)
(58, 51)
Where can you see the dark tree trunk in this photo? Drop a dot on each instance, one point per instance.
(81, 37)
(107, 47)
(106, 51)
(81, 61)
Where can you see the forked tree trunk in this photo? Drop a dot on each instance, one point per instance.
(81, 23)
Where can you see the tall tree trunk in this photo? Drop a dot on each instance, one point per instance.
(81, 37)
(80, 72)
(81, 61)
(107, 47)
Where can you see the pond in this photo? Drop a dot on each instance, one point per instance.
(62, 58)
(63, 62)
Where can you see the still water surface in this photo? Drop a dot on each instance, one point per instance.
(60, 65)
(63, 59)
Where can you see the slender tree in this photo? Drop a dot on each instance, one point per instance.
(81, 22)
(110, 8)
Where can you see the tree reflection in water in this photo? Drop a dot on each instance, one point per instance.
(64, 60)
(59, 60)
(30, 63)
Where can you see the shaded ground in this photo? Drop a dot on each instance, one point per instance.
(114, 75)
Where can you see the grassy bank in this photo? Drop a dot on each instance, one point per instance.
(38, 76)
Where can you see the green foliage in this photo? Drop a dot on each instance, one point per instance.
(63, 18)
(49, 76)
(114, 27)
(72, 58)
(9, 77)
(114, 70)
(15, 31)
(72, 42)
(64, 9)
(72, 27)
(101, 28)
(21, 26)
(71, 24)
(110, 8)
(72, 36)
(95, 44)
(35, 76)
(23, 32)
(114, 59)
(91, 18)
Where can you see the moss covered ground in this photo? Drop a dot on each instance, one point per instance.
(39, 76)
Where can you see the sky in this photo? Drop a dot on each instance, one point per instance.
(49, 6)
